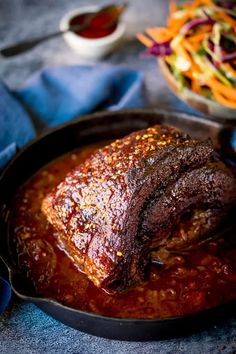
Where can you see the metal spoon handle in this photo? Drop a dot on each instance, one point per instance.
(24, 46)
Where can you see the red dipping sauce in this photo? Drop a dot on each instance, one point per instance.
(99, 26)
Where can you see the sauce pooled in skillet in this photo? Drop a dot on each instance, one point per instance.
(190, 282)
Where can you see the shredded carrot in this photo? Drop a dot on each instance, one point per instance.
(228, 92)
(168, 60)
(229, 68)
(186, 5)
(227, 18)
(188, 74)
(198, 38)
(195, 86)
(198, 3)
(220, 98)
(160, 34)
(208, 3)
(172, 7)
(145, 40)
(176, 23)
(204, 29)
(180, 50)
(200, 35)
(195, 4)
(191, 47)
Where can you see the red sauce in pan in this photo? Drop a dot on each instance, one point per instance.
(202, 279)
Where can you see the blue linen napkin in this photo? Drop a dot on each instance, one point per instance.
(56, 95)
(5, 289)
(5, 294)
(16, 128)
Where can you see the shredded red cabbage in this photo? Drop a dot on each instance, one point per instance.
(211, 45)
(228, 57)
(197, 22)
(159, 49)
(225, 58)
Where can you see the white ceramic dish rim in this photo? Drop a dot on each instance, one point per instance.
(64, 25)
(216, 109)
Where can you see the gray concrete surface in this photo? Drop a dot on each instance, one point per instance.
(24, 328)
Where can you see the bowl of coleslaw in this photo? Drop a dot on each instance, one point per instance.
(197, 54)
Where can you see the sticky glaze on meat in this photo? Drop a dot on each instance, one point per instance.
(126, 200)
(188, 282)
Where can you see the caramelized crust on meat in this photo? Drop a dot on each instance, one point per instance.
(127, 199)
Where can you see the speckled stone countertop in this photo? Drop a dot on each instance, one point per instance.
(24, 328)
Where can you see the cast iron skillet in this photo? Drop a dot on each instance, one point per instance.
(86, 130)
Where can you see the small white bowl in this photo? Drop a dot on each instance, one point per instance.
(91, 48)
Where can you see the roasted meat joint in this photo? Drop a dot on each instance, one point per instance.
(154, 191)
